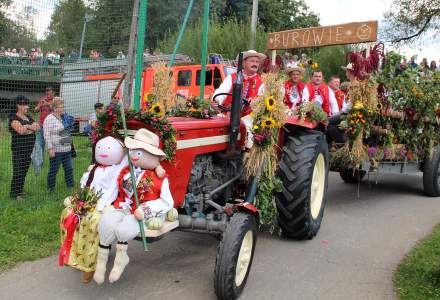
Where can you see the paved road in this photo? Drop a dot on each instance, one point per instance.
(353, 257)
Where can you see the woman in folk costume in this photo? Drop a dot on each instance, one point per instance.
(252, 87)
(120, 224)
(293, 88)
(79, 233)
(318, 91)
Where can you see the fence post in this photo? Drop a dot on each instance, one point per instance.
(140, 53)
(204, 48)
(131, 56)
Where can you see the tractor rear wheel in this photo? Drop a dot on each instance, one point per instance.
(303, 171)
(431, 174)
(352, 176)
(234, 256)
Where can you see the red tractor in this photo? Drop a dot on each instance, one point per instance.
(212, 196)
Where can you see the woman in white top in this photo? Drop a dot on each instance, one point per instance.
(59, 142)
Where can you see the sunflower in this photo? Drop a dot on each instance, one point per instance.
(268, 123)
(157, 110)
(315, 66)
(270, 103)
(358, 105)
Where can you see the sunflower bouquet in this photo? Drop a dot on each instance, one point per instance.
(152, 104)
(268, 113)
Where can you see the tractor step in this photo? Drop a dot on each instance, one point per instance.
(167, 227)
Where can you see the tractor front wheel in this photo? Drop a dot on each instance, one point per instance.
(431, 174)
(303, 171)
(234, 256)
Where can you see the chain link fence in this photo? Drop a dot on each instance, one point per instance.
(50, 93)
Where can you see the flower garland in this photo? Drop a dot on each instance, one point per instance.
(110, 122)
(194, 107)
(269, 115)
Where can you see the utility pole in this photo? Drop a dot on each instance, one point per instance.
(87, 18)
(254, 23)
(131, 56)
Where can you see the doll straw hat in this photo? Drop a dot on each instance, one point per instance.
(146, 140)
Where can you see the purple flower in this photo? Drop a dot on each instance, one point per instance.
(403, 152)
(386, 153)
(372, 151)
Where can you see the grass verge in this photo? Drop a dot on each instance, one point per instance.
(418, 275)
(30, 229)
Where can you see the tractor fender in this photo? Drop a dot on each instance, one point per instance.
(295, 120)
(247, 207)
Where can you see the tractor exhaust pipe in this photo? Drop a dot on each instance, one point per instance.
(236, 105)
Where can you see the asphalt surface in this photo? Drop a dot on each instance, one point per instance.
(360, 243)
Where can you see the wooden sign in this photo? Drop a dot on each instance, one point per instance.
(350, 33)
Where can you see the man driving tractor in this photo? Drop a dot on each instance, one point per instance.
(252, 87)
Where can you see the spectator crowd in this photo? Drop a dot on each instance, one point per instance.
(37, 56)
(31, 138)
(424, 68)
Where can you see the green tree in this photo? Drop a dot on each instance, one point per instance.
(227, 38)
(109, 29)
(273, 15)
(13, 34)
(66, 24)
(330, 60)
(409, 21)
(285, 14)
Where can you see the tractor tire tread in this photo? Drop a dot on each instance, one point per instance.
(227, 255)
(296, 171)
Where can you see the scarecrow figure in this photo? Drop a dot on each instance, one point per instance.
(120, 224)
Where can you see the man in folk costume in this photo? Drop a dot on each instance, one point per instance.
(293, 88)
(252, 87)
(334, 83)
(319, 92)
(334, 133)
(120, 223)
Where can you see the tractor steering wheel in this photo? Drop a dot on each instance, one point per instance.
(244, 102)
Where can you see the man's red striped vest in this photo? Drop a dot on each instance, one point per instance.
(249, 92)
(144, 194)
(324, 92)
(288, 87)
(340, 95)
